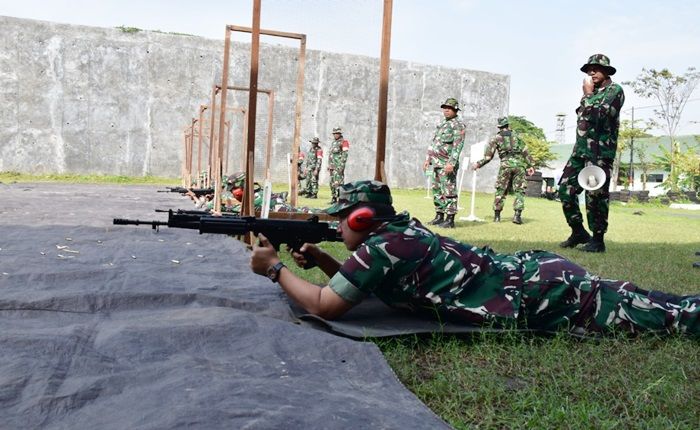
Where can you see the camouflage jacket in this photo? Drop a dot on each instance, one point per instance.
(511, 150)
(407, 266)
(597, 123)
(338, 155)
(447, 143)
(314, 159)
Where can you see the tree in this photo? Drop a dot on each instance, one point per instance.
(672, 92)
(628, 132)
(534, 139)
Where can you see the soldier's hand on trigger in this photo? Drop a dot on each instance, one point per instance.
(475, 166)
(300, 258)
(449, 168)
(530, 171)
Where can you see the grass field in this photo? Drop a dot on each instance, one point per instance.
(514, 380)
(527, 381)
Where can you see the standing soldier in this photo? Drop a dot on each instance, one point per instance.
(337, 157)
(597, 125)
(443, 157)
(301, 175)
(314, 159)
(511, 175)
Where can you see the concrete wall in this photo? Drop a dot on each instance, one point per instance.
(100, 100)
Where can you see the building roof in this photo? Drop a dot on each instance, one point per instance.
(653, 147)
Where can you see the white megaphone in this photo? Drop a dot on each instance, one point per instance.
(591, 178)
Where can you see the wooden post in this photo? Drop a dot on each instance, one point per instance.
(379, 173)
(248, 208)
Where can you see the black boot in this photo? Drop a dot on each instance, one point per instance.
(302, 193)
(596, 244)
(439, 218)
(496, 216)
(516, 218)
(449, 222)
(578, 236)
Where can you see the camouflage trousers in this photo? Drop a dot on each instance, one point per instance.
(311, 186)
(444, 188)
(597, 202)
(337, 179)
(513, 179)
(558, 294)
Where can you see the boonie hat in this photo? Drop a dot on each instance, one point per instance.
(356, 192)
(337, 130)
(502, 121)
(599, 60)
(451, 103)
(315, 140)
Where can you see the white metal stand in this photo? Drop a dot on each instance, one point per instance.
(472, 216)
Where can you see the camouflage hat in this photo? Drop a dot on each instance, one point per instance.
(356, 192)
(451, 103)
(599, 60)
(237, 180)
(315, 140)
(337, 130)
(502, 122)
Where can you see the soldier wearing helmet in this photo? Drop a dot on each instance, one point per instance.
(443, 158)
(597, 125)
(515, 161)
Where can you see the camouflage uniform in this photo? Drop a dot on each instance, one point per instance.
(300, 167)
(515, 160)
(408, 267)
(337, 157)
(314, 160)
(446, 148)
(598, 122)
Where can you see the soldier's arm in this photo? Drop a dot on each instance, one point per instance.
(457, 144)
(489, 152)
(344, 153)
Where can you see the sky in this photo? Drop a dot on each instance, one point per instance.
(540, 44)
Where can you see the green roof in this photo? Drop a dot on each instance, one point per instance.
(653, 147)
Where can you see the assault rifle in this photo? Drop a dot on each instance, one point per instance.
(293, 233)
(197, 191)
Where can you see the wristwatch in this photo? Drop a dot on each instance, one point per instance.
(273, 272)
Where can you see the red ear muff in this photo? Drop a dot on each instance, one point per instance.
(361, 218)
(238, 194)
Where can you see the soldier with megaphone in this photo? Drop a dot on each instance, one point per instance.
(590, 164)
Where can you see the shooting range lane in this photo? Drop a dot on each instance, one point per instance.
(118, 327)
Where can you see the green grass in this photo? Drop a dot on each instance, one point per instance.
(86, 179)
(515, 380)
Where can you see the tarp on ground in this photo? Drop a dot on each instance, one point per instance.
(118, 327)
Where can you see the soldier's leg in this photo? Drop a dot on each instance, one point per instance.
(449, 189)
(598, 201)
(519, 186)
(499, 199)
(597, 206)
(435, 187)
(448, 185)
(569, 189)
(560, 294)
